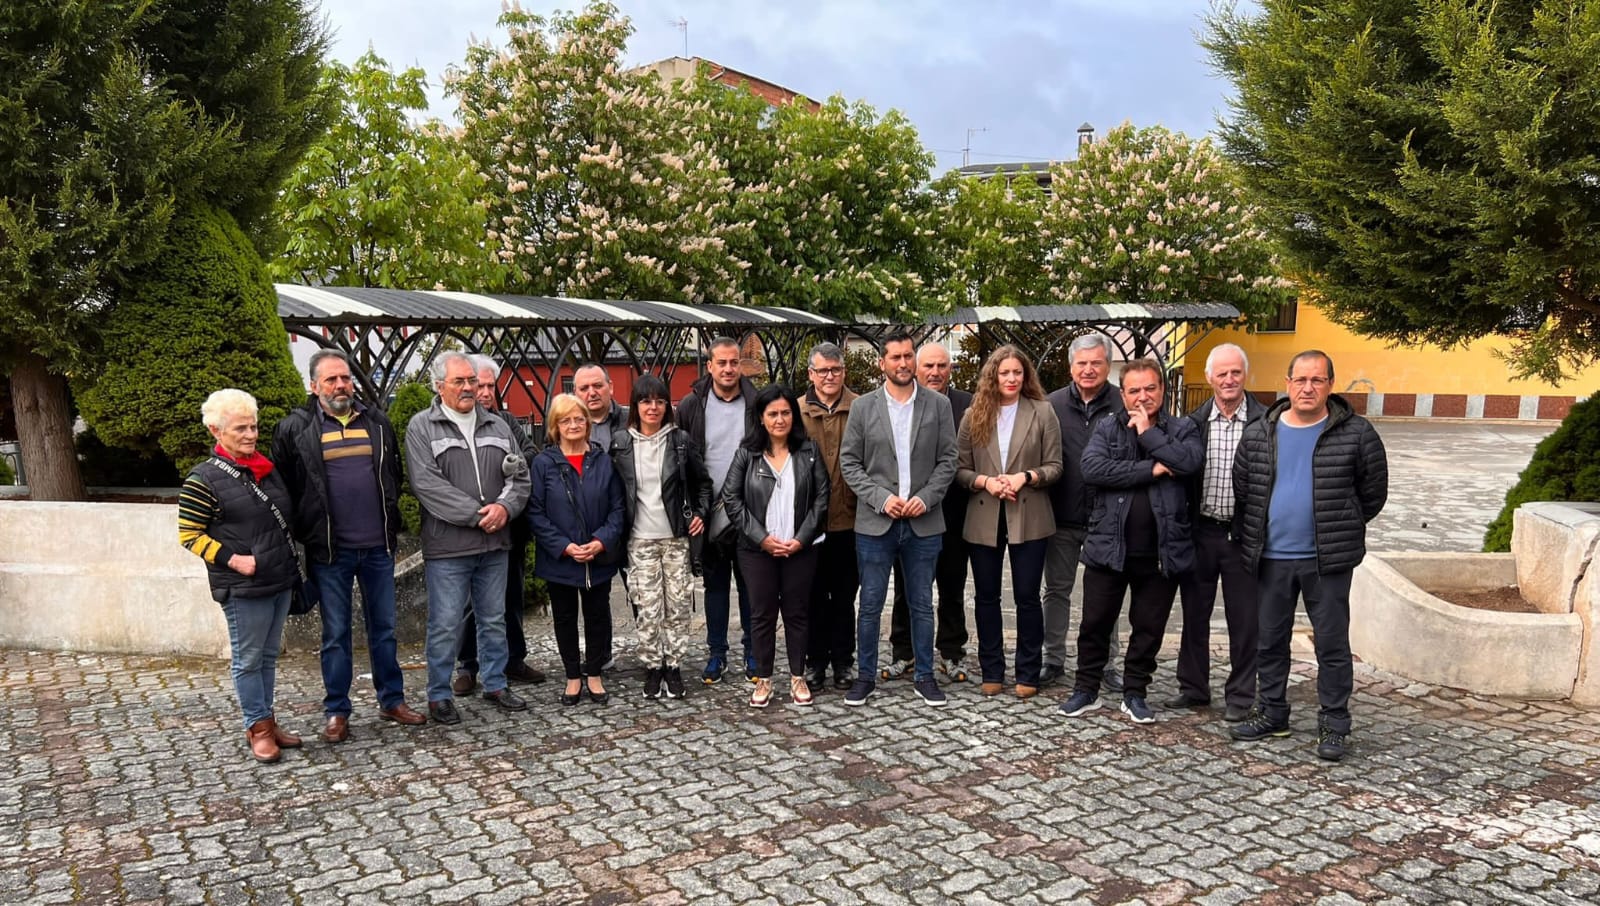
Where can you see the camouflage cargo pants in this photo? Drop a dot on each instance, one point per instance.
(661, 588)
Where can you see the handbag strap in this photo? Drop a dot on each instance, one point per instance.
(680, 453)
(572, 499)
(255, 487)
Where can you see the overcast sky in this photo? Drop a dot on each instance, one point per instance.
(1029, 72)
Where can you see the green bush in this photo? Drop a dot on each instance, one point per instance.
(202, 316)
(409, 399)
(1565, 466)
(7, 477)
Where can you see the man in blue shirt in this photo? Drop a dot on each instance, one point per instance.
(1307, 479)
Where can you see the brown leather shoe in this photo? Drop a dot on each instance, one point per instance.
(262, 746)
(337, 729)
(464, 682)
(282, 737)
(992, 688)
(402, 714)
(1025, 691)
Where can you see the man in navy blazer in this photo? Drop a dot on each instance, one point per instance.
(899, 457)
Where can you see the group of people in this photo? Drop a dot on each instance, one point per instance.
(803, 507)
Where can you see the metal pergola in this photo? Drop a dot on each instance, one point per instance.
(391, 333)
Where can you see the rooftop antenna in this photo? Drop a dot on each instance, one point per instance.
(682, 24)
(966, 152)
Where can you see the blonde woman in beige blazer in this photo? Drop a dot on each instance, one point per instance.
(1008, 452)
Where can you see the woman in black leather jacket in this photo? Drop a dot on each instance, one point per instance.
(667, 494)
(776, 497)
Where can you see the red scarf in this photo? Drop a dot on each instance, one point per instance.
(259, 465)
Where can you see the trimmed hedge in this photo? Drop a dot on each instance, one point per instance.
(1565, 466)
(201, 317)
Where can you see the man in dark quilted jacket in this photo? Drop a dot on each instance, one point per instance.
(1307, 479)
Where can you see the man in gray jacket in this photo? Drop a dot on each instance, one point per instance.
(471, 480)
(899, 457)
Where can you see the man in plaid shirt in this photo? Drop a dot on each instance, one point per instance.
(1221, 421)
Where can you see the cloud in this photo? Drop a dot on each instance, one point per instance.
(1028, 72)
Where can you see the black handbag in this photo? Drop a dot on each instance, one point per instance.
(697, 543)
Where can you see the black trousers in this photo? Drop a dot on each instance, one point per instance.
(1150, 603)
(516, 642)
(1027, 573)
(832, 618)
(950, 606)
(778, 585)
(565, 601)
(1217, 557)
(1282, 584)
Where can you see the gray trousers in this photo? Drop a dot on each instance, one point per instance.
(1060, 574)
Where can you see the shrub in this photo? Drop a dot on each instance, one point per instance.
(409, 399)
(202, 316)
(1565, 466)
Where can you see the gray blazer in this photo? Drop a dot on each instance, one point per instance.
(867, 460)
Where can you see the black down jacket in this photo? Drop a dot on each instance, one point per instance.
(1349, 478)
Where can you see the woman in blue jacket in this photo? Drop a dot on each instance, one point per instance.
(576, 515)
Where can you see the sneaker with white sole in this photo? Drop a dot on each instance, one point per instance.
(761, 695)
(1080, 703)
(857, 696)
(928, 690)
(1137, 709)
(799, 690)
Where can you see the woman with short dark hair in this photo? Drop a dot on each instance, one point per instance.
(776, 497)
(667, 493)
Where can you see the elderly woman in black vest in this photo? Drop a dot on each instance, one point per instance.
(234, 512)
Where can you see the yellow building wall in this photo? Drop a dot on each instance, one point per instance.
(1365, 365)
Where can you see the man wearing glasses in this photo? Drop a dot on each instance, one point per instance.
(1307, 479)
(472, 480)
(832, 616)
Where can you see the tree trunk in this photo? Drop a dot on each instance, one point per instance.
(44, 428)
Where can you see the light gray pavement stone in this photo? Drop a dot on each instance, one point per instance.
(127, 780)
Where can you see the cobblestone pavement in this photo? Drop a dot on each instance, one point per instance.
(126, 779)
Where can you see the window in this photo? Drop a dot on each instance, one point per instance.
(1282, 320)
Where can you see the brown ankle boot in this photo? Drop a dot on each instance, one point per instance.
(262, 745)
(282, 737)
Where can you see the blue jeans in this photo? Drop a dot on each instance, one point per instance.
(373, 568)
(255, 633)
(717, 567)
(919, 559)
(454, 584)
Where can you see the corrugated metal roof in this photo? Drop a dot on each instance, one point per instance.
(343, 304)
(1117, 311)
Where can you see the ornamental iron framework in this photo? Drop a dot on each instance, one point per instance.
(391, 334)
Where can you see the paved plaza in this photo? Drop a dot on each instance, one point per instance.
(126, 779)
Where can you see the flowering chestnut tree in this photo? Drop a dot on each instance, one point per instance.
(1150, 216)
(596, 181)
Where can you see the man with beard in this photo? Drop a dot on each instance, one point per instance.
(341, 462)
